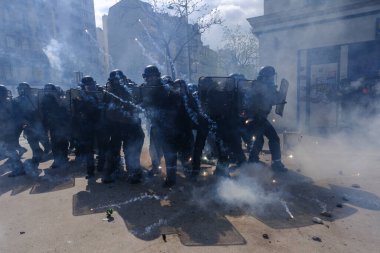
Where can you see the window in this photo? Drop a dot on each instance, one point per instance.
(10, 42)
(25, 44)
(37, 73)
(5, 70)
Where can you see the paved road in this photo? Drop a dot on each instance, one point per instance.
(63, 212)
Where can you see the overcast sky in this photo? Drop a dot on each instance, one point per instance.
(233, 12)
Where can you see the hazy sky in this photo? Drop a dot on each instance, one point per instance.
(232, 11)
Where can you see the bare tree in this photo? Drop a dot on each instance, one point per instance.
(180, 33)
(240, 51)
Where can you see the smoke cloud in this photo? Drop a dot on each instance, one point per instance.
(53, 52)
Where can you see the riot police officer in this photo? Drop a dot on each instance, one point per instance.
(265, 96)
(87, 115)
(8, 122)
(161, 105)
(124, 126)
(56, 119)
(31, 121)
(185, 124)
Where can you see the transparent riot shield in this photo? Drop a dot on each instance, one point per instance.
(245, 96)
(33, 98)
(74, 95)
(283, 93)
(69, 100)
(218, 96)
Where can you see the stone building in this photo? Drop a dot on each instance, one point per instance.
(138, 36)
(47, 41)
(317, 44)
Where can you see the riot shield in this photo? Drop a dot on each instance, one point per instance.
(245, 96)
(218, 96)
(33, 98)
(72, 95)
(283, 92)
(68, 101)
(41, 93)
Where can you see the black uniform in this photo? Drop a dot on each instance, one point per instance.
(87, 115)
(31, 123)
(8, 123)
(124, 128)
(185, 124)
(56, 120)
(161, 105)
(218, 96)
(265, 95)
(201, 124)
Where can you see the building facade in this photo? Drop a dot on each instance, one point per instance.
(47, 41)
(138, 36)
(317, 44)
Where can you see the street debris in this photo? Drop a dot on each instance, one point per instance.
(165, 202)
(317, 238)
(164, 237)
(22, 232)
(287, 209)
(339, 205)
(266, 236)
(326, 214)
(109, 213)
(344, 198)
(355, 186)
(317, 220)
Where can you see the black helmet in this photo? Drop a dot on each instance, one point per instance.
(116, 74)
(151, 70)
(23, 85)
(3, 89)
(166, 79)
(88, 80)
(265, 72)
(50, 87)
(180, 83)
(23, 88)
(4, 93)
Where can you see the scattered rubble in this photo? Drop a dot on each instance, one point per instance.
(339, 205)
(317, 238)
(266, 236)
(317, 220)
(109, 213)
(165, 202)
(22, 232)
(164, 237)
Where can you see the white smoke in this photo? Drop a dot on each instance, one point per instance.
(148, 55)
(251, 190)
(53, 53)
